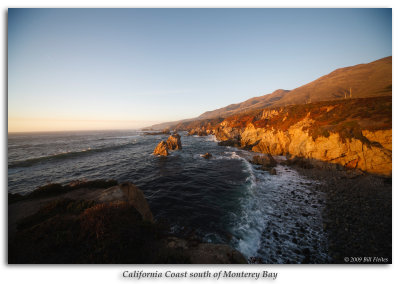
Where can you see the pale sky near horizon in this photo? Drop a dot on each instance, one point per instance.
(80, 69)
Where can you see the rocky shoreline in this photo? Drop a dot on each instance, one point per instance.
(320, 132)
(357, 220)
(358, 214)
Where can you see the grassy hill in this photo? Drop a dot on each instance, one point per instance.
(360, 81)
(373, 79)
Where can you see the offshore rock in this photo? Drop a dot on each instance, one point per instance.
(174, 142)
(161, 149)
(207, 156)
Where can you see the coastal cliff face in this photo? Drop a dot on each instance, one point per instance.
(350, 153)
(352, 133)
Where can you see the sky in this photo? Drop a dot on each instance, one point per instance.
(83, 69)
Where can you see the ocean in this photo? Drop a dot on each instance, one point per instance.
(225, 199)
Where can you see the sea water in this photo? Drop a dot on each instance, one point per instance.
(224, 199)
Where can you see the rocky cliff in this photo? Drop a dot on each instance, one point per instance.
(354, 133)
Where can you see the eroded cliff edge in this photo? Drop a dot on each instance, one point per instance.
(353, 133)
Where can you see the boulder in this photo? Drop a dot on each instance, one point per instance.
(166, 131)
(161, 149)
(207, 156)
(206, 253)
(229, 142)
(174, 142)
(136, 198)
(266, 162)
(300, 162)
(272, 171)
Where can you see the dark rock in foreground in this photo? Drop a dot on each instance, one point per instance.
(135, 197)
(101, 225)
(205, 253)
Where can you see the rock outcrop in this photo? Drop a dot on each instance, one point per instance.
(267, 162)
(354, 134)
(207, 156)
(135, 197)
(199, 132)
(161, 149)
(174, 142)
(206, 253)
(350, 153)
(230, 142)
(115, 224)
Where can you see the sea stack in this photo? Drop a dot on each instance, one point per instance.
(174, 142)
(161, 149)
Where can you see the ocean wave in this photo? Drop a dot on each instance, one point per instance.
(248, 168)
(211, 138)
(229, 156)
(63, 155)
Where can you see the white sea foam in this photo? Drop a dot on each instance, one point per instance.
(211, 138)
(273, 211)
